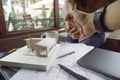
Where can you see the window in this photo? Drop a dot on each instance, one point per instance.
(41, 14)
(30, 15)
(61, 3)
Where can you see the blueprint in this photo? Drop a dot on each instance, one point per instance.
(55, 72)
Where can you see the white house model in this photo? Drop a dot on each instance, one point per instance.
(44, 46)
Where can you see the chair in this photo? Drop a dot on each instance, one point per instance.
(28, 21)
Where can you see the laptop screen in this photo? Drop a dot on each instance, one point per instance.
(102, 61)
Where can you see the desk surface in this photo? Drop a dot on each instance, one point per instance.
(115, 35)
(55, 73)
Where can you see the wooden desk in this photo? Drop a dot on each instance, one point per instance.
(55, 72)
(113, 41)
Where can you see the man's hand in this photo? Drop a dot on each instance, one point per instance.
(83, 22)
(79, 25)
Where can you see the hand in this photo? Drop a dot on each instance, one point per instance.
(73, 32)
(79, 24)
(83, 22)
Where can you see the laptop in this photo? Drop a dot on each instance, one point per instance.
(102, 61)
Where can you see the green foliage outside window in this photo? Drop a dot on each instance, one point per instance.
(13, 14)
(43, 15)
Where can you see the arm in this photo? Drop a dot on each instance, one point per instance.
(107, 18)
(85, 21)
(112, 16)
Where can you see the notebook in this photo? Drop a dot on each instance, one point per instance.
(102, 61)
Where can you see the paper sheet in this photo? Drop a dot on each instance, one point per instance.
(56, 73)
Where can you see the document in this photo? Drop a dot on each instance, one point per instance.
(55, 72)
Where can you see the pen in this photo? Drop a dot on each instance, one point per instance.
(66, 54)
(77, 76)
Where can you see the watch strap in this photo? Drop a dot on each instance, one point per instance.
(98, 20)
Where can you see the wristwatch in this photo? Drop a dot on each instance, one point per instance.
(98, 20)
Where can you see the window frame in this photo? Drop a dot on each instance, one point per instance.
(5, 34)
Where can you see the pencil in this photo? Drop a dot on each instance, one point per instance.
(66, 54)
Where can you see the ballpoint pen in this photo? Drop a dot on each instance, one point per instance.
(77, 76)
(66, 54)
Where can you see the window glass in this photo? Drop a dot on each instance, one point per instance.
(28, 14)
(61, 3)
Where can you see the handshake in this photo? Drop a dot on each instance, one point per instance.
(79, 25)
